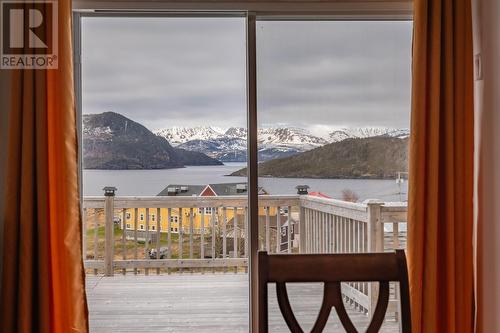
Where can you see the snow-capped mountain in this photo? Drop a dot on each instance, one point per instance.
(279, 136)
(367, 132)
(179, 135)
(230, 145)
(236, 132)
(274, 142)
(224, 149)
(289, 137)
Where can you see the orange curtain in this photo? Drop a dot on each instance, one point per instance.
(43, 276)
(440, 212)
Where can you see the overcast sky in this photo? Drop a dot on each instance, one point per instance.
(165, 72)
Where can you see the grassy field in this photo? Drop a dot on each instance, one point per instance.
(129, 247)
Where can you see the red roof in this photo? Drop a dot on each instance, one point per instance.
(208, 192)
(320, 195)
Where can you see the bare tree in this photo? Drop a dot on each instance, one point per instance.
(349, 195)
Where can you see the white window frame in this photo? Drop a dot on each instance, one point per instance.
(252, 11)
(208, 210)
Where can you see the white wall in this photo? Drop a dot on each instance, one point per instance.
(487, 96)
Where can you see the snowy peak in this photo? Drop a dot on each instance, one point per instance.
(179, 135)
(236, 132)
(280, 136)
(367, 132)
(289, 136)
(276, 136)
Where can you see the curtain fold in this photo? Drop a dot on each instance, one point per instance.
(43, 287)
(440, 212)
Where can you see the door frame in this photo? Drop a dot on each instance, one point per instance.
(252, 11)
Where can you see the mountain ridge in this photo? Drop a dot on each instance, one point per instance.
(114, 142)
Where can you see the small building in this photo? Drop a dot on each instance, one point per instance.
(208, 217)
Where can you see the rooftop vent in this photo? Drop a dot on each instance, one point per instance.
(240, 188)
(171, 191)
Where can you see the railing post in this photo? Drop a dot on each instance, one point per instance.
(302, 225)
(375, 230)
(109, 241)
(84, 234)
(302, 229)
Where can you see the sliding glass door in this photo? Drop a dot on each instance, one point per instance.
(333, 112)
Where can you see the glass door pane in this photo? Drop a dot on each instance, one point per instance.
(333, 113)
(164, 124)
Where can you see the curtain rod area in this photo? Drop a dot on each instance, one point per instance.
(285, 9)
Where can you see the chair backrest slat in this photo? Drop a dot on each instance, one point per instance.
(332, 269)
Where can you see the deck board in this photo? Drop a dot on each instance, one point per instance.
(201, 303)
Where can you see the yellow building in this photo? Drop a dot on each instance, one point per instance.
(187, 217)
(192, 219)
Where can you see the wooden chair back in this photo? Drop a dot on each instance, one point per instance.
(332, 269)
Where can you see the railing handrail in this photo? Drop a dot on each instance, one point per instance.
(239, 200)
(121, 202)
(93, 202)
(355, 211)
(395, 206)
(335, 202)
(393, 212)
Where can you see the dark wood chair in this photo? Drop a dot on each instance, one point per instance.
(332, 269)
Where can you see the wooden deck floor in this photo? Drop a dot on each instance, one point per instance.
(201, 303)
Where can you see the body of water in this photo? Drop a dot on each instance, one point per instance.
(151, 182)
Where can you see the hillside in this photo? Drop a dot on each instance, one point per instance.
(366, 158)
(114, 142)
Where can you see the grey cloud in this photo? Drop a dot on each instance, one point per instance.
(165, 72)
(350, 73)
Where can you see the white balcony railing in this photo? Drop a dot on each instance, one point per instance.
(170, 234)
